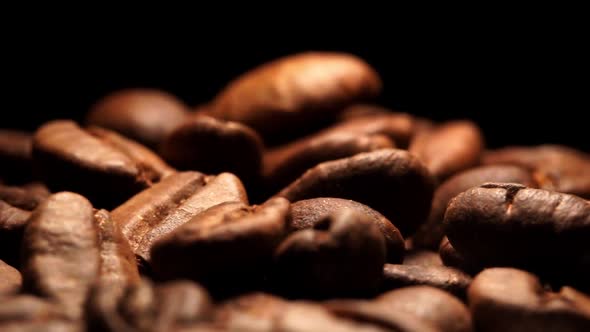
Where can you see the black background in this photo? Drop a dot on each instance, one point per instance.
(525, 85)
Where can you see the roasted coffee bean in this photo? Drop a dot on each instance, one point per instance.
(104, 166)
(505, 299)
(286, 163)
(60, 252)
(145, 307)
(23, 307)
(341, 255)
(144, 115)
(15, 156)
(152, 164)
(24, 313)
(452, 258)
(433, 306)
(181, 303)
(309, 212)
(554, 167)
(12, 224)
(225, 239)
(10, 279)
(510, 225)
(393, 182)
(25, 197)
(251, 312)
(442, 277)
(356, 111)
(310, 317)
(430, 233)
(159, 210)
(259, 312)
(449, 148)
(292, 92)
(213, 146)
(118, 271)
(399, 127)
(422, 257)
(377, 314)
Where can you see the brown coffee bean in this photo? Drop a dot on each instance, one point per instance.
(283, 164)
(213, 146)
(341, 255)
(146, 159)
(93, 163)
(60, 252)
(378, 315)
(29, 313)
(259, 312)
(309, 212)
(157, 211)
(118, 271)
(225, 239)
(365, 119)
(430, 233)
(10, 279)
(449, 148)
(181, 303)
(287, 93)
(310, 317)
(554, 167)
(251, 312)
(356, 111)
(433, 306)
(145, 307)
(393, 182)
(23, 308)
(12, 224)
(25, 197)
(442, 277)
(15, 156)
(423, 258)
(144, 115)
(510, 225)
(452, 258)
(505, 299)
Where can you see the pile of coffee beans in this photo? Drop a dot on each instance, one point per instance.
(289, 202)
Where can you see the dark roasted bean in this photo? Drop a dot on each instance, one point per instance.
(434, 306)
(554, 167)
(284, 164)
(505, 299)
(393, 182)
(157, 211)
(309, 212)
(213, 146)
(452, 258)
(449, 148)
(430, 233)
(10, 279)
(117, 272)
(343, 254)
(510, 225)
(12, 224)
(225, 239)
(442, 277)
(289, 92)
(15, 156)
(60, 252)
(25, 197)
(144, 115)
(102, 165)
